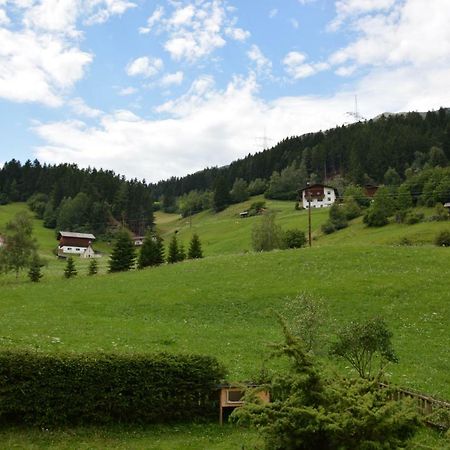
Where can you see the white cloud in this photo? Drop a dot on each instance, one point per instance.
(127, 91)
(263, 64)
(295, 24)
(171, 79)
(101, 11)
(154, 19)
(4, 19)
(238, 34)
(414, 33)
(40, 54)
(144, 66)
(195, 30)
(297, 68)
(79, 107)
(38, 67)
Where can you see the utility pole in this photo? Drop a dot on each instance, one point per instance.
(309, 220)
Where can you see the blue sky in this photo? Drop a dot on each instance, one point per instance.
(153, 89)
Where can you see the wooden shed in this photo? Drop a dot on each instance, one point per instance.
(231, 397)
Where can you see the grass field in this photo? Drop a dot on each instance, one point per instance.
(222, 306)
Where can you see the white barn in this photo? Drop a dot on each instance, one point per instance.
(318, 195)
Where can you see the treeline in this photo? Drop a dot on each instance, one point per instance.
(73, 199)
(360, 153)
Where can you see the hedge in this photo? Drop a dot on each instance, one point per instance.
(65, 389)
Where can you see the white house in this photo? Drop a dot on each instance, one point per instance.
(76, 243)
(318, 195)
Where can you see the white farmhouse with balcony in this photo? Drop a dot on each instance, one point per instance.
(318, 195)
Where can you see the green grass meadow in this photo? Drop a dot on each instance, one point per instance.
(224, 306)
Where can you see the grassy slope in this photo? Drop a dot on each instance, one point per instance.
(218, 305)
(221, 304)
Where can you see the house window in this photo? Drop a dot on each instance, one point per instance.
(77, 249)
(329, 199)
(69, 248)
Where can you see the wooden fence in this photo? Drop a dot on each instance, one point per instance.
(436, 412)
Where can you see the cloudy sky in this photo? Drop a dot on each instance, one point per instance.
(153, 89)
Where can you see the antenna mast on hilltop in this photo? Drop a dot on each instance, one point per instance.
(355, 114)
(263, 141)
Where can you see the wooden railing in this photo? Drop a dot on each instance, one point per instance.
(428, 406)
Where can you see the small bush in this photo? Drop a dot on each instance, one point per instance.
(413, 218)
(443, 239)
(328, 227)
(294, 238)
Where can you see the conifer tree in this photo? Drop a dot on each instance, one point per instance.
(70, 270)
(176, 251)
(34, 274)
(152, 251)
(172, 256)
(123, 254)
(195, 248)
(93, 267)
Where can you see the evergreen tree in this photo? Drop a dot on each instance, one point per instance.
(221, 196)
(70, 270)
(195, 248)
(123, 254)
(152, 251)
(34, 273)
(93, 267)
(172, 256)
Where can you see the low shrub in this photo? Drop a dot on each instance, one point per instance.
(328, 227)
(52, 390)
(413, 218)
(443, 239)
(294, 238)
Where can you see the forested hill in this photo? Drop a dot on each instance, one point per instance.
(365, 148)
(73, 199)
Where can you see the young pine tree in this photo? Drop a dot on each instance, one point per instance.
(195, 248)
(70, 270)
(93, 267)
(123, 254)
(34, 274)
(176, 251)
(152, 251)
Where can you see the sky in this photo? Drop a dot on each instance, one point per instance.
(154, 89)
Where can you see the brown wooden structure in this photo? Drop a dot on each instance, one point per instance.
(426, 405)
(231, 397)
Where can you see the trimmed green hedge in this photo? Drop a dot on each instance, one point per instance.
(48, 390)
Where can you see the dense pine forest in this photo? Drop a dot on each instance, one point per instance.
(70, 198)
(73, 199)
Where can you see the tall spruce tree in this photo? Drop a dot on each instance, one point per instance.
(93, 267)
(221, 195)
(195, 248)
(123, 254)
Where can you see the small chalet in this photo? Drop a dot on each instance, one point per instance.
(370, 190)
(75, 243)
(138, 240)
(318, 195)
(446, 205)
